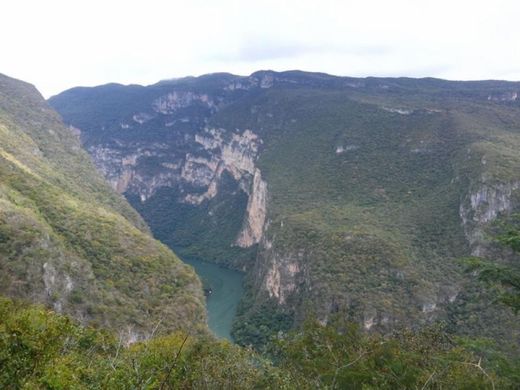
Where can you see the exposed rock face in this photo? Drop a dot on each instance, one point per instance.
(211, 153)
(252, 229)
(60, 281)
(402, 111)
(504, 97)
(280, 275)
(236, 156)
(176, 100)
(368, 323)
(121, 169)
(482, 207)
(280, 280)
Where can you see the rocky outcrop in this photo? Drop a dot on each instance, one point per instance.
(282, 275)
(503, 97)
(175, 100)
(252, 229)
(483, 206)
(121, 168)
(402, 111)
(199, 171)
(140, 118)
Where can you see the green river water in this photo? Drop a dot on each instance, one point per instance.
(226, 291)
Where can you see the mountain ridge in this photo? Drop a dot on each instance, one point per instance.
(296, 72)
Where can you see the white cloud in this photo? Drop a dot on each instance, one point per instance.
(57, 44)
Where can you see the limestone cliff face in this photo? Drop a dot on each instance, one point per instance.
(121, 169)
(197, 173)
(235, 153)
(252, 229)
(282, 276)
(176, 100)
(167, 151)
(481, 207)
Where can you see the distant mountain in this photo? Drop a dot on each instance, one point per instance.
(69, 241)
(333, 193)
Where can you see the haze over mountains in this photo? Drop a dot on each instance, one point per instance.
(333, 194)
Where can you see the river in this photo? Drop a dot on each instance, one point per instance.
(226, 291)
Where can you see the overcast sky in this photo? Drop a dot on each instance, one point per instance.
(58, 44)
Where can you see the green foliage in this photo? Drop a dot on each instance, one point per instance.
(39, 349)
(339, 356)
(511, 239)
(69, 241)
(501, 277)
(257, 323)
(506, 278)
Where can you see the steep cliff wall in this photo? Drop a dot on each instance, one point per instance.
(482, 207)
(196, 175)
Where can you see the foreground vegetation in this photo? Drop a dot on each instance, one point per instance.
(340, 356)
(40, 349)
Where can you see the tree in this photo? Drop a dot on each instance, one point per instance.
(340, 356)
(505, 279)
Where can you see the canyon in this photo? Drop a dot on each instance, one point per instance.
(330, 193)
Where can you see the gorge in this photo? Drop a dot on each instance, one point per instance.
(330, 193)
(330, 221)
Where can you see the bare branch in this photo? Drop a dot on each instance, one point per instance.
(170, 369)
(479, 366)
(117, 352)
(345, 366)
(428, 380)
